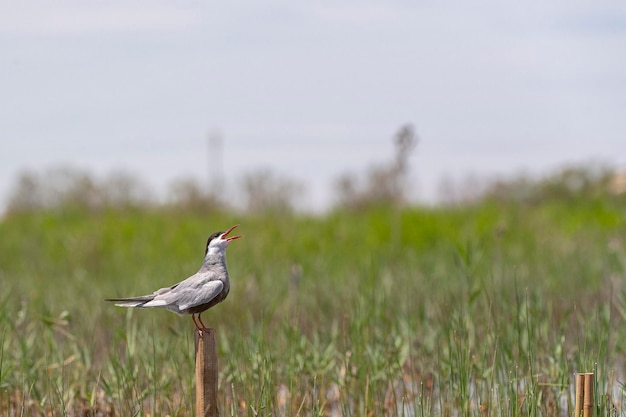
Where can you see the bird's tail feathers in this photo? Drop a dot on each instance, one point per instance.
(131, 302)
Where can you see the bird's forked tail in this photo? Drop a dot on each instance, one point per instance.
(132, 301)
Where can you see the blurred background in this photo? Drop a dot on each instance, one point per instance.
(161, 101)
(432, 196)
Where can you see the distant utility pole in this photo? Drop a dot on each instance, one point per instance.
(404, 141)
(216, 163)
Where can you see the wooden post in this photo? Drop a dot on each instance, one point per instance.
(584, 395)
(206, 374)
(588, 398)
(580, 392)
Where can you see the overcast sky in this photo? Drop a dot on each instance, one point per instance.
(310, 89)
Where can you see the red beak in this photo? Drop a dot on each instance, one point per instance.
(232, 237)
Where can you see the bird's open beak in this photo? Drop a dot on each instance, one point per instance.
(225, 234)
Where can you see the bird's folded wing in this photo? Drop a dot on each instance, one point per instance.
(186, 297)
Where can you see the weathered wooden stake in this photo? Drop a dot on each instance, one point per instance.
(580, 392)
(588, 399)
(584, 395)
(206, 374)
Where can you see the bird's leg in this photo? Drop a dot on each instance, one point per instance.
(193, 317)
(200, 319)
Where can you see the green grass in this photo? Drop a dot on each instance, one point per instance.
(485, 311)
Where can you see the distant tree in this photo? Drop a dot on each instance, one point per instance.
(68, 187)
(568, 183)
(266, 191)
(52, 189)
(576, 180)
(383, 184)
(122, 189)
(27, 193)
(188, 194)
(466, 191)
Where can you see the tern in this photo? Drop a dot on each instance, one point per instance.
(196, 294)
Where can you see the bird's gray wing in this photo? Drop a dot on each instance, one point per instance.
(196, 290)
(203, 295)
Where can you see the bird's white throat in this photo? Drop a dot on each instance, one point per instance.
(216, 249)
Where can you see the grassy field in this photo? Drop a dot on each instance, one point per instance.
(486, 310)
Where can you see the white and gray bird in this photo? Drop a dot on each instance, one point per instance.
(201, 291)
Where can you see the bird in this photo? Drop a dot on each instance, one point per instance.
(196, 294)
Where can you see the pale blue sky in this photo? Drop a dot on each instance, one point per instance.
(311, 89)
